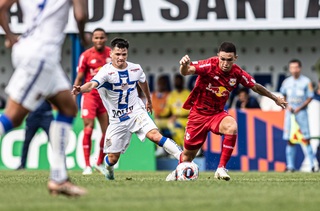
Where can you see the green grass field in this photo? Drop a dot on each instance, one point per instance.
(26, 190)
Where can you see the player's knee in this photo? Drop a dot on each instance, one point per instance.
(231, 128)
(154, 136)
(113, 158)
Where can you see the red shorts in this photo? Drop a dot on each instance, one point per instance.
(91, 106)
(199, 125)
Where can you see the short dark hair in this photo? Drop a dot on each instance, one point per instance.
(99, 29)
(296, 61)
(179, 76)
(228, 47)
(243, 89)
(120, 43)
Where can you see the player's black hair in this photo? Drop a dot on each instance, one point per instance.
(296, 61)
(99, 29)
(228, 47)
(120, 43)
(179, 76)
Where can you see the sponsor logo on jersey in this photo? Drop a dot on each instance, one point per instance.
(216, 77)
(93, 61)
(122, 112)
(204, 65)
(135, 70)
(220, 91)
(245, 78)
(111, 73)
(232, 81)
(253, 81)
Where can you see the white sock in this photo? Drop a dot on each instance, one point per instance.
(59, 135)
(172, 148)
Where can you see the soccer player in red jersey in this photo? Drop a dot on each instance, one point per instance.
(90, 62)
(217, 77)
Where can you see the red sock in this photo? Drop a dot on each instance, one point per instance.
(101, 154)
(86, 142)
(228, 144)
(180, 159)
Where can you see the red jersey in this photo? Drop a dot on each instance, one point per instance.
(91, 61)
(213, 86)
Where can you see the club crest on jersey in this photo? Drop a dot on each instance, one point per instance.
(124, 84)
(232, 81)
(187, 136)
(108, 142)
(216, 77)
(220, 91)
(93, 61)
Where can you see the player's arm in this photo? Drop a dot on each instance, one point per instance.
(145, 88)
(258, 88)
(11, 39)
(80, 10)
(78, 81)
(87, 87)
(185, 68)
(303, 106)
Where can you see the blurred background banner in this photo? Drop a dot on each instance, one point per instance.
(191, 15)
(139, 156)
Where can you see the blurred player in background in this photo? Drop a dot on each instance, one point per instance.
(39, 118)
(297, 90)
(217, 77)
(90, 62)
(38, 76)
(117, 85)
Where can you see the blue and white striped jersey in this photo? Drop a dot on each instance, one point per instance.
(118, 90)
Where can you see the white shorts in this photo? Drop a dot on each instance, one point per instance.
(34, 80)
(118, 135)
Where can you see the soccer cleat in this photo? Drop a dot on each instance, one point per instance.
(100, 168)
(65, 188)
(287, 170)
(221, 173)
(87, 170)
(172, 176)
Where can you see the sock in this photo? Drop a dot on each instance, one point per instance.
(180, 158)
(227, 148)
(101, 154)
(170, 146)
(310, 155)
(59, 135)
(290, 155)
(86, 142)
(5, 124)
(109, 166)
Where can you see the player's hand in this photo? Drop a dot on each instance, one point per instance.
(185, 60)
(280, 102)
(149, 107)
(76, 90)
(10, 41)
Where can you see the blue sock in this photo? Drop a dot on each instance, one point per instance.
(107, 161)
(310, 155)
(162, 141)
(290, 155)
(6, 124)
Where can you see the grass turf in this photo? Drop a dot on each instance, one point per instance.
(26, 190)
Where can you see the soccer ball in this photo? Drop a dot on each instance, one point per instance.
(187, 171)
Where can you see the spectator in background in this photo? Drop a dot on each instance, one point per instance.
(161, 113)
(317, 92)
(298, 92)
(40, 118)
(245, 100)
(179, 116)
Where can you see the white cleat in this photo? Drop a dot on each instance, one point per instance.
(172, 176)
(221, 173)
(109, 170)
(87, 170)
(100, 168)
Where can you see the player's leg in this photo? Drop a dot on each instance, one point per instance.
(168, 144)
(59, 134)
(290, 156)
(310, 154)
(13, 116)
(32, 126)
(110, 160)
(104, 122)
(228, 127)
(87, 144)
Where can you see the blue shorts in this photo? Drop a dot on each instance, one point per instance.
(303, 121)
